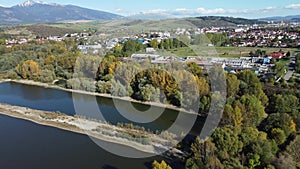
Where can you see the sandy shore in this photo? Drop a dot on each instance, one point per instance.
(101, 131)
(47, 85)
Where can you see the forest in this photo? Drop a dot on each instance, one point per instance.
(260, 125)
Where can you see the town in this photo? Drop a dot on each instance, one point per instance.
(281, 36)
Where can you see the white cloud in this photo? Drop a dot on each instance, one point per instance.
(183, 12)
(267, 9)
(293, 6)
(151, 14)
(181, 9)
(203, 11)
(155, 11)
(270, 8)
(210, 11)
(119, 10)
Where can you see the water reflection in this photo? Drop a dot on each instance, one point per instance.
(27, 145)
(56, 100)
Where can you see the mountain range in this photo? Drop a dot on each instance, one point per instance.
(33, 11)
(283, 18)
(43, 12)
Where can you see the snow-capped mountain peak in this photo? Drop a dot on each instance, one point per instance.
(33, 2)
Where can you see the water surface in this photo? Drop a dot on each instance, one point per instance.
(26, 145)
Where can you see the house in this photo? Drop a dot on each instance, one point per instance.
(277, 55)
(267, 60)
(144, 56)
(150, 50)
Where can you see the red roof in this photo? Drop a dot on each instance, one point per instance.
(276, 55)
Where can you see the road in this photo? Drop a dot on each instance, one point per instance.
(291, 70)
(288, 75)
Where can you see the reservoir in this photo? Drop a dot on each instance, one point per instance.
(56, 100)
(28, 145)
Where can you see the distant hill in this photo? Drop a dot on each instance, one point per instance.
(126, 26)
(205, 21)
(280, 18)
(42, 12)
(202, 21)
(47, 30)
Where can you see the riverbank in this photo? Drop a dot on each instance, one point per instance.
(48, 85)
(147, 141)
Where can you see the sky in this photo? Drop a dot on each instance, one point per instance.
(183, 8)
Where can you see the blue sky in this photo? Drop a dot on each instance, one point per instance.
(180, 8)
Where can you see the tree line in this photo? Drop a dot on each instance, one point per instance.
(259, 128)
(259, 125)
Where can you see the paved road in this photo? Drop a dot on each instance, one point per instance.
(288, 75)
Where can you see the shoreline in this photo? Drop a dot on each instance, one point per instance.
(89, 128)
(109, 96)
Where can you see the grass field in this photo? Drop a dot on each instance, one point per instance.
(127, 26)
(19, 31)
(228, 52)
(285, 62)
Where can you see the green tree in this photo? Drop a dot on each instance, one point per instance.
(294, 149)
(216, 39)
(279, 69)
(285, 160)
(148, 93)
(154, 44)
(254, 161)
(297, 63)
(118, 89)
(117, 50)
(204, 155)
(253, 111)
(130, 47)
(232, 85)
(266, 150)
(47, 76)
(2, 42)
(251, 85)
(285, 103)
(232, 116)
(103, 87)
(278, 135)
(281, 121)
(227, 142)
(251, 134)
(195, 69)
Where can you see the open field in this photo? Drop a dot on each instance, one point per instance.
(246, 50)
(129, 26)
(228, 52)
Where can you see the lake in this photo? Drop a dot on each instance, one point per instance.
(50, 99)
(27, 145)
